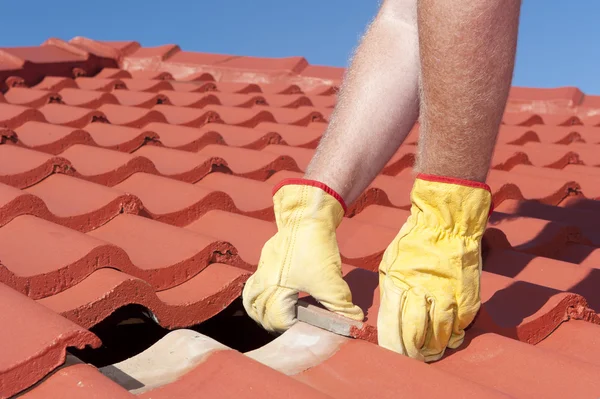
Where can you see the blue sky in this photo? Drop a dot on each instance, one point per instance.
(558, 39)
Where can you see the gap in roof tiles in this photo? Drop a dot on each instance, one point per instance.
(131, 329)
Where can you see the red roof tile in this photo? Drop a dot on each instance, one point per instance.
(36, 341)
(144, 176)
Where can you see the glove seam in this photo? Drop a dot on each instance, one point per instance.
(312, 183)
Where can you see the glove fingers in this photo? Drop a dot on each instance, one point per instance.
(272, 307)
(442, 319)
(456, 339)
(249, 293)
(402, 321)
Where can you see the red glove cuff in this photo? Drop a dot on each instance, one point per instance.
(313, 183)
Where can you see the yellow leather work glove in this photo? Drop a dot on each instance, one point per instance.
(302, 256)
(429, 275)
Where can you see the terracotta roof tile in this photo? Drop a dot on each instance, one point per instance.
(149, 85)
(139, 99)
(21, 167)
(296, 136)
(31, 97)
(253, 380)
(77, 380)
(182, 165)
(33, 352)
(191, 99)
(188, 138)
(192, 302)
(76, 203)
(67, 115)
(130, 116)
(12, 116)
(86, 98)
(55, 83)
(258, 165)
(186, 116)
(144, 176)
(172, 201)
(99, 84)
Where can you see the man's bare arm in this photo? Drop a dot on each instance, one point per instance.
(378, 104)
(467, 52)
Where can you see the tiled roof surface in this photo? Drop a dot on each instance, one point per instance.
(143, 175)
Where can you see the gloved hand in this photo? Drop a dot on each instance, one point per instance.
(429, 275)
(302, 256)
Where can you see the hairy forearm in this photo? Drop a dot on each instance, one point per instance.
(467, 58)
(377, 106)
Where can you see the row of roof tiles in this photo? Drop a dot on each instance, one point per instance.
(135, 188)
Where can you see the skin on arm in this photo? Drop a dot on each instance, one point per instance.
(467, 53)
(378, 104)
